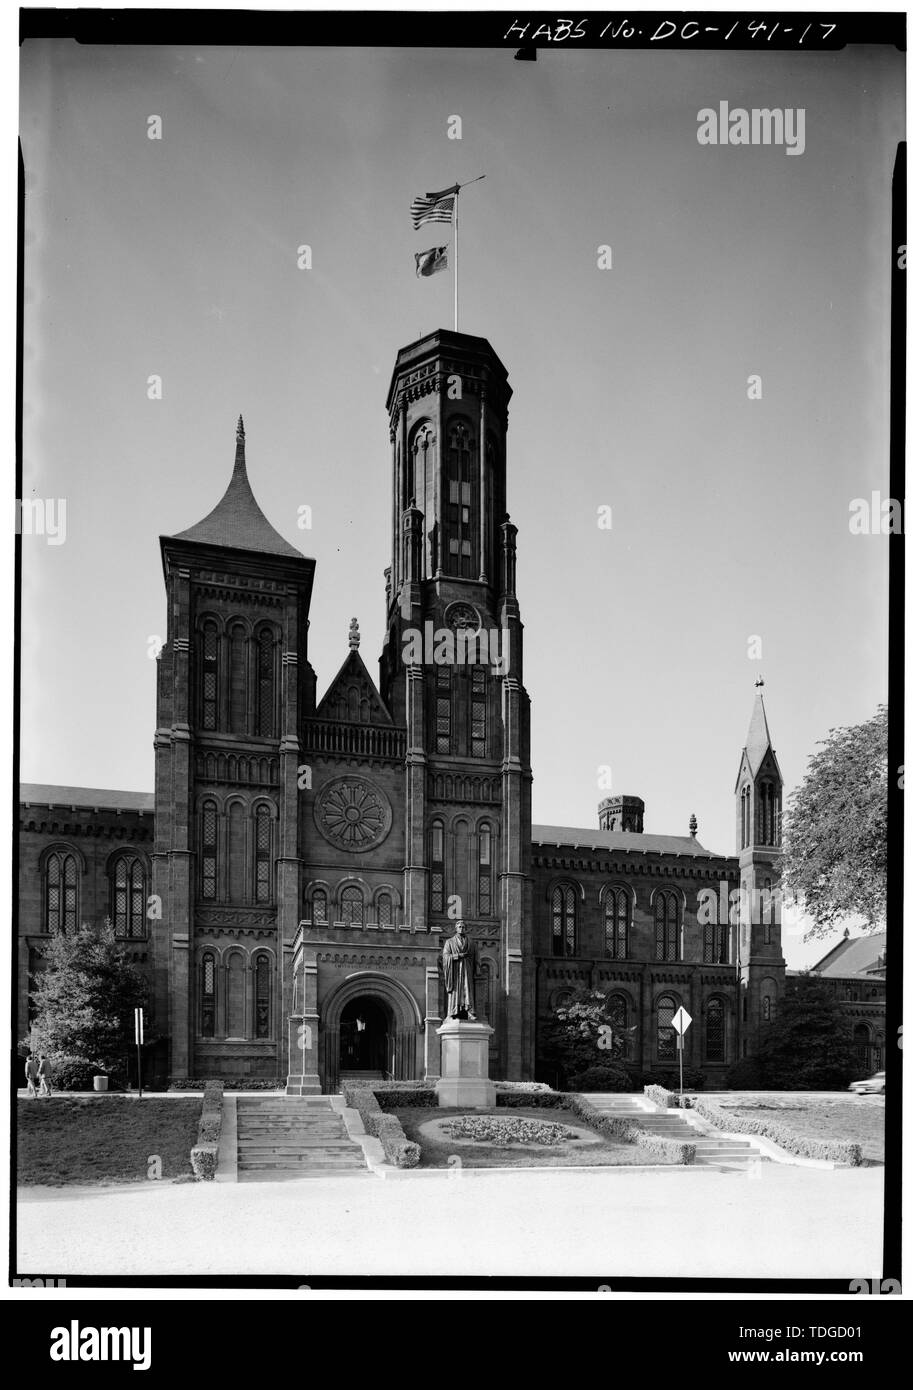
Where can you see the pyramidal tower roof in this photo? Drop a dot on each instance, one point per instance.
(237, 520)
(758, 741)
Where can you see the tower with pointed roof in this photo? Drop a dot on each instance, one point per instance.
(234, 681)
(757, 933)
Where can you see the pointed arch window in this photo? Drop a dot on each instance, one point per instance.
(665, 1033)
(262, 855)
(266, 684)
(484, 870)
(442, 709)
(261, 996)
(666, 923)
(746, 817)
(564, 920)
(129, 897)
(715, 1031)
(716, 943)
(208, 996)
(61, 895)
(417, 461)
(209, 675)
(351, 906)
(478, 712)
(436, 897)
(767, 911)
(209, 825)
(617, 915)
(460, 520)
(319, 907)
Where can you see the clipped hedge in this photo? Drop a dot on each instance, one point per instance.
(547, 1099)
(398, 1150)
(417, 1098)
(628, 1131)
(835, 1150)
(237, 1083)
(527, 1087)
(661, 1097)
(204, 1154)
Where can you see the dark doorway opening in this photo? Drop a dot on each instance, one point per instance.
(365, 1031)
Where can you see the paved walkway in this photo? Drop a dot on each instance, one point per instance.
(788, 1222)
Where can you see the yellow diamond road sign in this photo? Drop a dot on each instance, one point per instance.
(681, 1021)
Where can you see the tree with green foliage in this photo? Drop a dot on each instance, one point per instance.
(583, 1046)
(84, 1001)
(808, 1045)
(835, 842)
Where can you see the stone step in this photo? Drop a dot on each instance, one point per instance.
(291, 1146)
(303, 1174)
(330, 1161)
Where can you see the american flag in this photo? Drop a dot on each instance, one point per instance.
(434, 207)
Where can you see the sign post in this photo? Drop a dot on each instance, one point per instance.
(681, 1022)
(138, 1026)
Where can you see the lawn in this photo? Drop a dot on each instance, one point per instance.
(855, 1121)
(435, 1152)
(70, 1139)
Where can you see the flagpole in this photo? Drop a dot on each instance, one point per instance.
(456, 261)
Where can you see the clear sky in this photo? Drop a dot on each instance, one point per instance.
(178, 258)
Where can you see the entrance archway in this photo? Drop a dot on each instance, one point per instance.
(388, 1045)
(365, 1027)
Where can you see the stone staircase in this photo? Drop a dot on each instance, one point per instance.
(726, 1154)
(288, 1137)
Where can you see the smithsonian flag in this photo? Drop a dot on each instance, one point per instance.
(429, 262)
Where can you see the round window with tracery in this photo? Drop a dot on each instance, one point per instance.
(352, 813)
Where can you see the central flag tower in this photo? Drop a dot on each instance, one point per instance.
(452, 672)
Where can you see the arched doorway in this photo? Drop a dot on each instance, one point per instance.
(389, 1045)
(365, 1028)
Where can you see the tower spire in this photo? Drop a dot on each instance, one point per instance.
(240, 459)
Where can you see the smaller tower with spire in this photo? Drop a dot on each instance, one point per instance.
(757, 947)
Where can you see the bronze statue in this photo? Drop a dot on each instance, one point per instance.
(460, 974)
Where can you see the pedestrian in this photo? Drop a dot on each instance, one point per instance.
(45, 1075)
(31, 1074)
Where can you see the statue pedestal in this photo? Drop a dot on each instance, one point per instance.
(464, 1079)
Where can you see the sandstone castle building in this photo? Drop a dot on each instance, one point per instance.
(288, 884)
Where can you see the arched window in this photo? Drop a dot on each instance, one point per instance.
(263, 875)
(665, 918)
(319, 907)
(417, 461)
(442, 709)
(208, 996)
(351, 906)
(716, 943)
(61, 896)
(483, 991)
(384, 906)
(767, 911)
(266, 685)
(665, 1034)
(460, 521)
(617, 917)
(861, 1045)
(437, 866)
(237, 686)
(129, 897)
(484, 870)
(209, 675)
(617, 1010)
(208, 850)
(478, 713)
(564, 921)
(238, 854)
(261, 996)
(716, 1031)
(236, 988)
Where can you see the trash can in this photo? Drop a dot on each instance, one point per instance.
(101, 1083)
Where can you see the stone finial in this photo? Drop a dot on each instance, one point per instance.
(759, 682)
(239, 432)
(354, 635)
(692, 826)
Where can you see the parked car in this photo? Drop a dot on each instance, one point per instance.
(872, 1084)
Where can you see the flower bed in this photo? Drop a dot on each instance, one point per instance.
(835, 1150)
(516, 1130)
